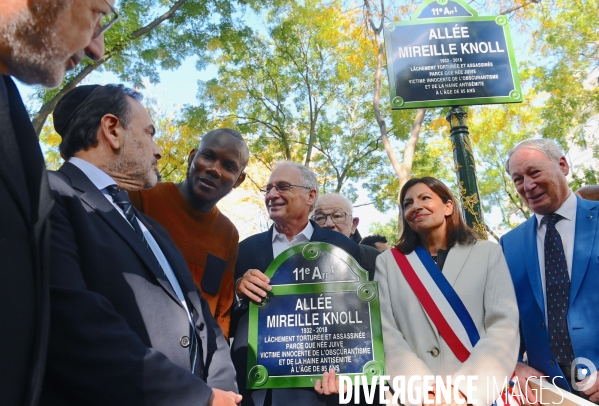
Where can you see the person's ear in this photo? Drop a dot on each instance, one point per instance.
(239, 180)
(563, 165)
(355, 221)
(311, 197)
(111, 131)
(449, 208)
(190, 157)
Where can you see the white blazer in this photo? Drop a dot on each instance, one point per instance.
(480, 276)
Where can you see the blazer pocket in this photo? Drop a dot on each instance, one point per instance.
(213, 274)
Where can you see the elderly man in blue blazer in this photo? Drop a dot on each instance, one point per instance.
(554, 261)
(290, 195)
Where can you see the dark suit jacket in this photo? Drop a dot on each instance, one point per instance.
(520, 249)
(255, 252)
(119, 333)
(25, 203)
(368, 256)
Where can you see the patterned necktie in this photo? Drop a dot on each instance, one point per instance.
(121, 199)
(557, 290)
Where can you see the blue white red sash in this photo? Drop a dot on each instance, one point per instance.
(444, 307)
(440, 301)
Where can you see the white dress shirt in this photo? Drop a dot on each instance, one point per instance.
(566, 229)
(101, 180)
(280, 242)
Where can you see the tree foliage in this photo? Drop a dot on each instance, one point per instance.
(300, 92)
(298, 80)
(152, 36)
(387, 229)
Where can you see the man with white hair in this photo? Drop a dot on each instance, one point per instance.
(39, 41)
(553, 261)
(335, 212)
(289, 196)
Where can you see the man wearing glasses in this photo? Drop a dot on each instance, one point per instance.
(289, 196)
(39, 41)
(334, 212)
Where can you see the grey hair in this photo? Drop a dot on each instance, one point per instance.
(308, 177)
(339, 195)
(548, 147)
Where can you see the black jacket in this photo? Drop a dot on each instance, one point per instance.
(119, 334)
(25, 204)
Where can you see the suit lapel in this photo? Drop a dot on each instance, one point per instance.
(317, 234)
(530, 255)
(10, 159)
(96, 200)
(158, 271)
(584, 240)
(265, 255)
(456, 258)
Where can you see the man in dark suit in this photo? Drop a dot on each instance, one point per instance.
(334, 211)
(128, 324)
(39, 40)
(290, 195)
(553, 259)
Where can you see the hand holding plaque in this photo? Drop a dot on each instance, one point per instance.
(254, 285)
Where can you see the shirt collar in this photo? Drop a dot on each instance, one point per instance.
(307, 232)
(97, 176)
(567, 210)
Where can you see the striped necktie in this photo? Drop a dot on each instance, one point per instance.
(121, 199)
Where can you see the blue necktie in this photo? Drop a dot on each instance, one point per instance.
(557, 288)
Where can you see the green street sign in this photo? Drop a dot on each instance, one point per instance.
(322, 313)
(447, 56)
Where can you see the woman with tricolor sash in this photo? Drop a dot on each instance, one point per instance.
(448, 306)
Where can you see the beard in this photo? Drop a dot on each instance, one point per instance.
(38, 55)
(131, 167)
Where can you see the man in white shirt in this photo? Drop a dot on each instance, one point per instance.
(553, 259)
(129, 326)
(289, 196)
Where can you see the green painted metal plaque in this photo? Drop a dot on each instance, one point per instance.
(322, 313)
(447, 56)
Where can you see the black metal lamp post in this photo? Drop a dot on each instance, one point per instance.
(465, 170)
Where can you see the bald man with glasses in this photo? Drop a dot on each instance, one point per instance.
(289, 197)
(334, 211)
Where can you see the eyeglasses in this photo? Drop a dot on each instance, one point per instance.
(107, 21)
(337, 217)
(281, 187)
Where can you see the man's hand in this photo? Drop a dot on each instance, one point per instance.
(523, 372)
(593, 391)
(254, 285)
(329, 384)
(222, 398)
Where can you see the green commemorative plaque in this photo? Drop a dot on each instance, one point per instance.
(322, 313)
(448, 56)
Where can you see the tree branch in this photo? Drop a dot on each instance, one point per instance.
(40, 118)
